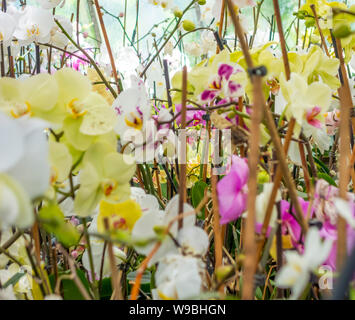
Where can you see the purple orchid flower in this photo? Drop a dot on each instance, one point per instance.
(222, 84)
(232, 191)
(193, 117)
(289, 223)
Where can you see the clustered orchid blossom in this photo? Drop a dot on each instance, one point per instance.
(195, 153)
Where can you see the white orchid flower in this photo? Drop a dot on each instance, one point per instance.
(58, 38)
(34, 25)
(132, 107)
(7, 28)
(178, 277)
(24, 168)
(295, 273)
(192, 239)
(50, 4)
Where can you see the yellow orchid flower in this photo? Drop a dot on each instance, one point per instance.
(121, 215)
(106, 175)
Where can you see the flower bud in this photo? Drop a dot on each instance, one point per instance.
(309, 22)
(178, 13)
(342, 31)
(201, 2)
(223, 272)
(188, 25)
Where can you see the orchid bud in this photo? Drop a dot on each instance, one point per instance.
(178, 13)
(223, 272)
(342, 31)
(201, 2)
(188, 25)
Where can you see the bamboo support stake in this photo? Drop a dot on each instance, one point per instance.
(324, 44)
(182, 166)
(346, 105)
(107, 42)
(272, 129)
(282, 38)
(253, 159)
(217, 230)
(281, 169)
(221, 20)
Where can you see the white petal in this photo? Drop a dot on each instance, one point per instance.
(11, 142)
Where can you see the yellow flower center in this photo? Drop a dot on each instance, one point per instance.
(163, 296)
(21, 109)
(77, 109)
(137, 122)
(34, 31)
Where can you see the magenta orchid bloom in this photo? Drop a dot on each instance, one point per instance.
(232, 191)
(311, 117)
(222, 84)
(289, 223)
(193, 117)
(326, 212)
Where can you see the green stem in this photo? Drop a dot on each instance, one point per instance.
(167, 39)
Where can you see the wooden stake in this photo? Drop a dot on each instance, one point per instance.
(253, 160)
(182, 169)
(107, 42)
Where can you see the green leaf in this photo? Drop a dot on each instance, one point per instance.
(321, 165)
(327, 178)
(106, 289)
(258, 293)
(14, 279)
(69, 288)
(198, 192)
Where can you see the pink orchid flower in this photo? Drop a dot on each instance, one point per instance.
(232, 191)
(193, 117)
(311, 117)
(221, 83)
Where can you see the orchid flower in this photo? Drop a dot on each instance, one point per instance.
(295, 273)
(86, 114)
(133, 110)
(7, 28)
(191, 238)
(105, 175)
(222, 85)
(58, 38)
(34, 96)
(178, 277)
(34, 25)
(306, 103)
(50, 4)
(232, 191)
(24, 168)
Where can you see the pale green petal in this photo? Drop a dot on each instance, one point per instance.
(41, 91)
(79, 140)
(60, 159)
(117, 168)
(98, 121)
(319, 94)
(90, 192)
(72, 85)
